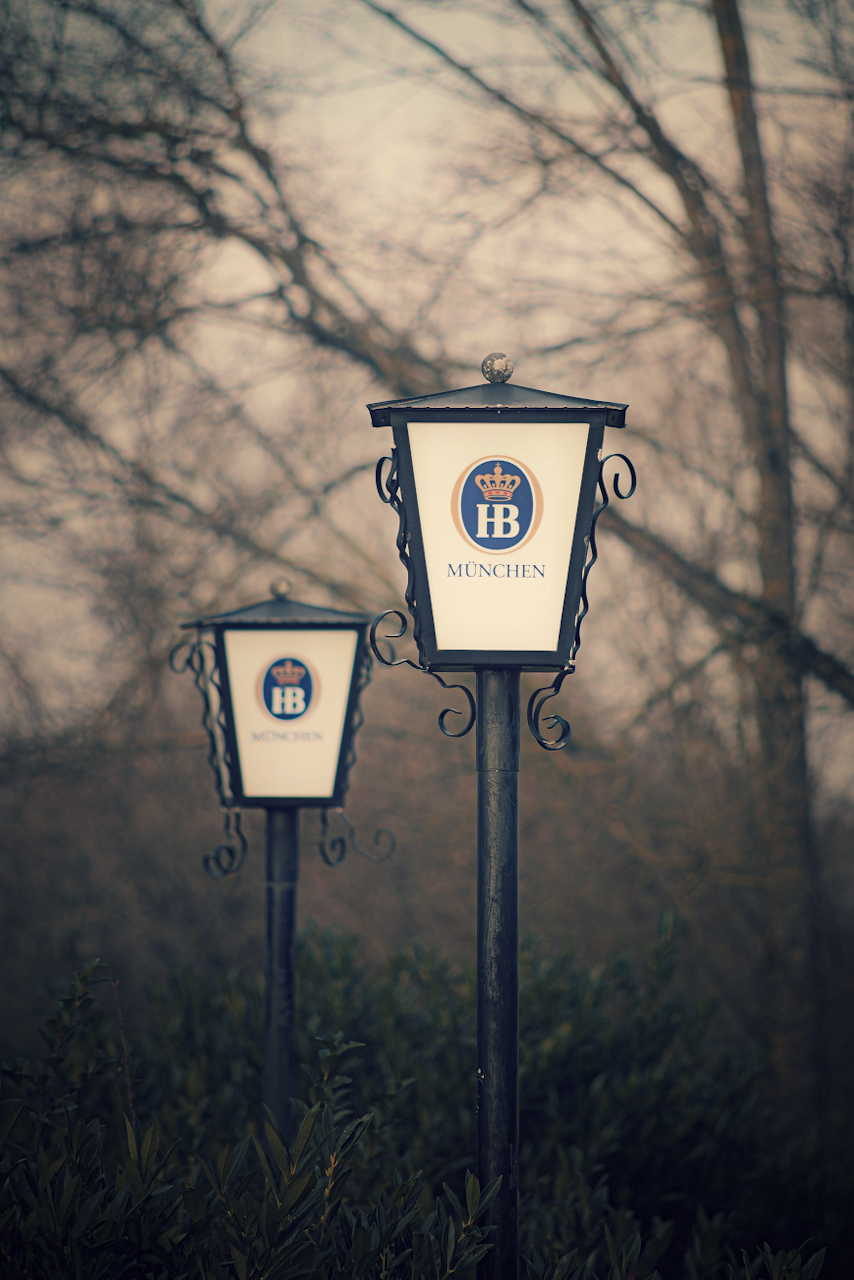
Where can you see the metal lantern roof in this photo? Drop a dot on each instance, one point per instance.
(500, 395)
(279, 611)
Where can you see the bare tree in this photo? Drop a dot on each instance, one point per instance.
(136, 151)
(132, 433)
(758, 236)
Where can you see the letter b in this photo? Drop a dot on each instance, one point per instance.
(294, 701)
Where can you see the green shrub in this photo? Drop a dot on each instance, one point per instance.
(632, 1122)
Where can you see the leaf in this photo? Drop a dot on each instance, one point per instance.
(476, 1255)
(173, 1235)
(9, 1123)
(305, 1132)
(472, 1194)
(489, 1195)
(135, 1180)
(455, 1204)
(612, 1248)
(224, 1165)
(810, 1269)
(86, 1214)
(239, 1157)
(194, 1203)
(150, 1143)
(265, 1166)
(50, 1172)
(450, 1243)
(295, 1190)
(134, 1154)
(361, 1244)
(268, 1221)
(68, 1197)
(277, 1150)
(239, 1262)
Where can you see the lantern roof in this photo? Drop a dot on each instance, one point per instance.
(279, 611)
(496, 395)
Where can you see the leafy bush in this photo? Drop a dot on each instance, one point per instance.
(631, 1122)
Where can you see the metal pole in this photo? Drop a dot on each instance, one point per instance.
(282, 875)
(498, 962)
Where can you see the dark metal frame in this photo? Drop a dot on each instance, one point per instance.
(585, 553)
(352, 721)
(188, 655)
(206, 658)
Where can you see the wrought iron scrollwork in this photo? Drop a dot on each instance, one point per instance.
(535, 707)
(227, 858)
(540, 697)
(334, 851)
(407, 662)
(593, 551)
(389, 491)
(363, 680)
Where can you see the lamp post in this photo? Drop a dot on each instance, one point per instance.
(281, 683)
(494, 487)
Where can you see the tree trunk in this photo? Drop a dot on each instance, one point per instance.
(793, 979)
(787, 861)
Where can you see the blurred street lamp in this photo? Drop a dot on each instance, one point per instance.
(495, 491)
(281, 683)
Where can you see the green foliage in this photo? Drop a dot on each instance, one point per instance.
(275, 1213)
(632, 1127)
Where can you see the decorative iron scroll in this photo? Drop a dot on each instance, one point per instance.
(391, 487)
(334, 855)
(362, 681)
(407, 662)
(591, 541)
(535, 707)
(389, 491)
(227, 858)
(541, 696)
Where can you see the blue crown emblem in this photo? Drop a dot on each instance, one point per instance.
(496, 504)
(286, 689)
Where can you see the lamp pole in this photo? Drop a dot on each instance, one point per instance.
(280, 682)
(495, 491)
(498, 961)
(280, 968)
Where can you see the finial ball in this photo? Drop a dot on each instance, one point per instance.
(280, 589)
(497, 367)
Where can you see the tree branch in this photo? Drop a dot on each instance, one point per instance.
(747, 618)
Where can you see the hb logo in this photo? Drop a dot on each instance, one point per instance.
(286, 689)
(497, 504)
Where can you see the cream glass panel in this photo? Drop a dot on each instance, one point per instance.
(294, 757)
(502, 599)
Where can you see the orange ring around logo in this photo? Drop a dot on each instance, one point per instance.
(535, 489)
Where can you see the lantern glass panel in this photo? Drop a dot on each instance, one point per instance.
(289, 696)
(497, 504)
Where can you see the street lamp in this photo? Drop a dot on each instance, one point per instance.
(495, 491)
(280, 683)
